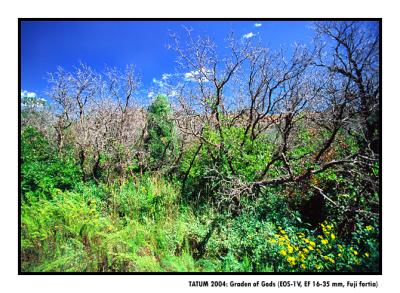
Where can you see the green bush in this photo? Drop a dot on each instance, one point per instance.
(41, 169)
(161, 140)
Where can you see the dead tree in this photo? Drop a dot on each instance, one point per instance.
(325, 90)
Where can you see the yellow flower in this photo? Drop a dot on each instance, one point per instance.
(283, 252)
(333, 236)
(273, 241)
(355, 252)
(340, 247)
(302, 256)
(366, 254)
(329, 259)
(340, 255)
(312, 243)
(305, 250)
(318, 266)
(369, 228)
(310, 247)
(324, 241)
(290, 248)
(303, 266)
(291, 260)
(306, 240)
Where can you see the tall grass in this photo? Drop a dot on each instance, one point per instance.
(142, 225)
(137, 226)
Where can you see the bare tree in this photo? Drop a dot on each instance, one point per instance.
(350, 52)
(63, 104)
(275, 96)
(261, 96)
(101, 116)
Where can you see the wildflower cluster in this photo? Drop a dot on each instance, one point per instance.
(321, 252)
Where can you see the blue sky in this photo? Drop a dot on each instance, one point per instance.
(45, 45)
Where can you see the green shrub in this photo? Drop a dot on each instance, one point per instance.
(41, 169)
(161, 140)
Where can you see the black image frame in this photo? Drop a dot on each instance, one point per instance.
(20, 20)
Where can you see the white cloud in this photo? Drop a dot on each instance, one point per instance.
(173, 94)
(160, 83)
(27, 94)
(191, 76)
(164, 81)
(166, 76)
(150, 94)
(248, 36)
(257, 24)
(197, 75)
(32, 101)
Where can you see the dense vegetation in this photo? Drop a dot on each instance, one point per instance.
(256, 162)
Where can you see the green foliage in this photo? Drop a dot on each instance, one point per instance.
(279, 174)
(130, 231)
(150, 223)
(34, 146)
(323, 251)
(243, 157)
(41, 169)
(161, 140)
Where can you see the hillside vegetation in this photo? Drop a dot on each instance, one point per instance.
(256, 161)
